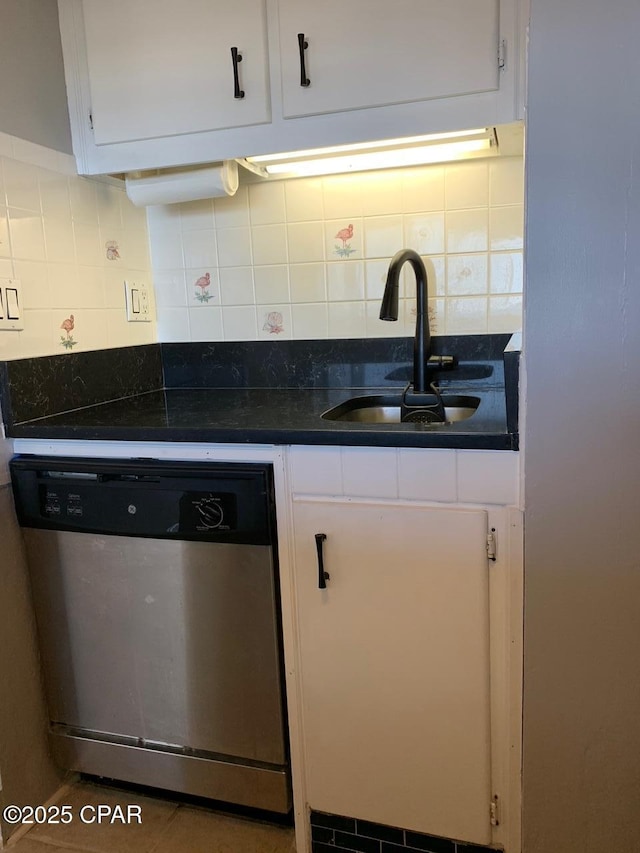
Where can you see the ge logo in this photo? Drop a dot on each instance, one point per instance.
(132, 509)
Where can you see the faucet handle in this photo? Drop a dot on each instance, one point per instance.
(444, 362)
(418, 407)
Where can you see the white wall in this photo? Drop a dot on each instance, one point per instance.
(57, 233)
(582, 465)
(277, 269)
(33, 97)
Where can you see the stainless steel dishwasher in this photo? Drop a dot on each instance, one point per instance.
(156, 600)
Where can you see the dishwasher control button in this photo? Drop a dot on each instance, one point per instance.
(210, 512)
(132, 509)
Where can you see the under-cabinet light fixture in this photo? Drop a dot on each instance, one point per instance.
(409, 151)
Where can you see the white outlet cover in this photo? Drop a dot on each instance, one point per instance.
(137, 302)
(11, 311)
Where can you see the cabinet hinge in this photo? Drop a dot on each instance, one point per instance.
(91, 120)
(502, 53)
(494, 811)
(491, 544)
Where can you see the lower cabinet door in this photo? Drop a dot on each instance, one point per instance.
(394, 658)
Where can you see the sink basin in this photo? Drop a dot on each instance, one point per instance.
(385, 409)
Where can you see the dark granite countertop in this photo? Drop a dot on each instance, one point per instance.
(179, 408)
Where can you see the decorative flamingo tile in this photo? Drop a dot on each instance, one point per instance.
(67, 326)
(343, 239)
(202, 292)
(343, 247)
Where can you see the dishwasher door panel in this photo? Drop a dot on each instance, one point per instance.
(168, 642)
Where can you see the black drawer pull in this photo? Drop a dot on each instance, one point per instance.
(236, 58)
(323, 576)
(303, 44)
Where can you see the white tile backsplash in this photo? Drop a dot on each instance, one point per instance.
(484, 477)
(467, 275)
(233, 211)
(383, 236)
(424, 232)
(423, 189)
(240, 323)
(347, 320)
(468, 230)
(305, 242)
(266, 203)
(427, 475)
(487, 476)
(271, 284)
(303, 200)
(269, 244)
(21, 185)
(345, 281)
(236, 287)
(370, 472)
(27, 234)
(506, 272)
(467, 185)
(200, 248)
(467, 315)
(5, 245)
(342, 196)
(310, 320)
(59, 239)
(506, 227)
(194, 215)
(310, 255)
(205, 325)
(316, 470)
(84, 202)
(72, 242)
(504, 313)
(506, 181)
(382, 193)
(234, 247)
(307, 282)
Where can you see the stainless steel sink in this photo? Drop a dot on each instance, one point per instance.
(385, 409)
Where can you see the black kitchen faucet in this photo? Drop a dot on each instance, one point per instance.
(418, 403)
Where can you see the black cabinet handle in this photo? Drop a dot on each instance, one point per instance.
(236, 58)
(303, 44)
(323, 576)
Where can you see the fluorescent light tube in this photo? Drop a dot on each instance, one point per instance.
(411, 151)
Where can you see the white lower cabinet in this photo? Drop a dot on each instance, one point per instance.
(394, 660)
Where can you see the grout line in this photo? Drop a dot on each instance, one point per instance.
(168, 823)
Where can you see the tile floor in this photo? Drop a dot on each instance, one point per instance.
(166, 827)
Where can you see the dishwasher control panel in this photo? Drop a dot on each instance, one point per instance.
(199, 501)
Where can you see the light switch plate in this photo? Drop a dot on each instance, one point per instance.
(11, 311)
(137, 302)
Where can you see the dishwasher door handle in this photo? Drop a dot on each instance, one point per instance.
(323, 576)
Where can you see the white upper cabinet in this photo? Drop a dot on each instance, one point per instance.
(370, 53)
(160, 68)
(151, 82)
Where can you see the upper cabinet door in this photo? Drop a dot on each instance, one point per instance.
(158, 68)
(369, 53)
